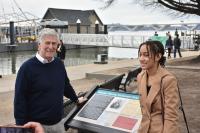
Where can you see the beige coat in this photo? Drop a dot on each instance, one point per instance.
(152, 119)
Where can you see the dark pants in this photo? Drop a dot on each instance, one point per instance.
(179, 52)
(169, 52)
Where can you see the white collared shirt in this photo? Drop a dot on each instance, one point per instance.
(43, 60)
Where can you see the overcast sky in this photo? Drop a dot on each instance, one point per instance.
(123, 11)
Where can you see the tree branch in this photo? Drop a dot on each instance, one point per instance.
(173, 5)
(184, 6)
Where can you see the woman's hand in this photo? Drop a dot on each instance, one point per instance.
(36, 126)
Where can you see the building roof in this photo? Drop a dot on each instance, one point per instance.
(71, 15)
(54, 23)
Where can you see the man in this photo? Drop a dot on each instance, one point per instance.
(177, 45)
(156, 34)
(40, 85)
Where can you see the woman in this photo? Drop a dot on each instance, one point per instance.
(158, 91)
(61, 51)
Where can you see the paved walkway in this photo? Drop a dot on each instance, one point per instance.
(185, 67)
(74, 72)
(79, 72)
(76, 75)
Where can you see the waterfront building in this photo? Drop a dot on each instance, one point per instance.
(86, 19)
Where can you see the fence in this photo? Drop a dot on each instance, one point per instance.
(128, 41)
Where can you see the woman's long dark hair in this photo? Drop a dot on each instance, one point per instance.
(155, 48)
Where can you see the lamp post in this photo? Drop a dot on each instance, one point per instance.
(96, 27)
(78, 23)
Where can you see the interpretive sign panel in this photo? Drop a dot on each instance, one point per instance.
(109, 110)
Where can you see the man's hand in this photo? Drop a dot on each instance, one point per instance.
(36, 126)
(81, 100)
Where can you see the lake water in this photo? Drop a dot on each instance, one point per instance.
(121, 53)
(10, 62)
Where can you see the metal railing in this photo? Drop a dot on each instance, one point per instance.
(127, 41)
(104, 40)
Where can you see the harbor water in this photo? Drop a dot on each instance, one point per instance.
(11, 62)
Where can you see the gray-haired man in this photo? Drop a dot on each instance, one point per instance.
(40, 85)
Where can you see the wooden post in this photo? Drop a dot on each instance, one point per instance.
(12, 33)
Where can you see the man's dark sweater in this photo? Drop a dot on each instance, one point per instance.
(39, 91)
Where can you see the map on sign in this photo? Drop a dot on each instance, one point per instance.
(112, 109)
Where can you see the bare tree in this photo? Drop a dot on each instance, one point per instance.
(183, 6)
